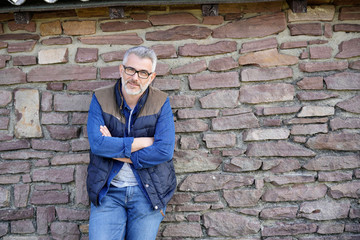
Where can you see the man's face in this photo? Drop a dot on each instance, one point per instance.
(135, 84)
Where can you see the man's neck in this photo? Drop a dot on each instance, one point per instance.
(131, 100)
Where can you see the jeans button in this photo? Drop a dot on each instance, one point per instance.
(156, 207)
(146, 185)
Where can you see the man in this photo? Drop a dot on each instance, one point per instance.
(131, 132)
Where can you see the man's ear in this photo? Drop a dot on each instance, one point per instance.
(121, 69)
(152, 77)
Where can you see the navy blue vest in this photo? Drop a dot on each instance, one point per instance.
(157, 182)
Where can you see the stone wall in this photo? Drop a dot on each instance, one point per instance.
(266, 106)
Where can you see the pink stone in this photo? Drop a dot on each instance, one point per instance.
(24, 60)
(116, 39)
(12, 76)
(349, 13)
(343, 81)
(195, 50)
(266, 93)
(173, 19)
(350, 48)
(213, 20)
(61, 73)
(315, 83)
(123, 26)
(260, 26)
(323, 66)
(29, 27)
(258, 45)
(21, 46)
(165, 51)
(85, 55)
(268, 58)
(311, 29)
(223, 64)
(322, 52)
(214, 80)
(57, 41)
(193, 67)
(265, 74)
(179, 33)
(297, 44)
(113, 56)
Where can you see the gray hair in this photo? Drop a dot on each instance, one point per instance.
(142, 52)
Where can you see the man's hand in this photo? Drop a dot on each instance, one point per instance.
(105, 131)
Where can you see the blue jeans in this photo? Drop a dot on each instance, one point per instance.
(124, 212)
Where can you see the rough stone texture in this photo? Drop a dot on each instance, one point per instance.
(24, 60)
(3, 60)
(279, 213)
(5, 97)
(313, 111)
(313, 13)
(268, 58)
(343, 81)
(313, 96)
(265, 74)
(173, 19)
(258, 45)
(220, 99)
(345, 190)
(183, 230)
(26, 46)
(61, 73)
(312, 29)
(195, 67)
(289, 229)
(260, 26)
(309, 129)
(348, 49)
(349, 13)
(123, 26)
(350, 105)
(214, 80)
(242, 121)
(27, 111)
(281, 165)
(266, 134)
(243, 165)
(339, 123)
(282, 149)
(320, 52)
(242, 198)
(79, 27)
(347, 28)
(84, 55)
(323, 66)
(195, 161)
(179, 33)
(50, 56)
(220, 140)
(57, 41)
(213, 182)
(50, 28)
(116, 39)
(335, 141)
(195, 50)
(295, 193)
(234, 226)
(266, 93)
(222, 64)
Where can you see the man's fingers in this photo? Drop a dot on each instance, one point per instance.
(105, 131)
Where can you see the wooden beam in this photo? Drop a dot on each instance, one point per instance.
(210, 10)
(22, 17)
(298, 6)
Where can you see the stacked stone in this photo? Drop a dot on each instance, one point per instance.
(266, 107)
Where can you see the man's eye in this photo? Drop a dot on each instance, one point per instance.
(144, 73)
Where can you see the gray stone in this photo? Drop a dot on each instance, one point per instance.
(206, 182)
(183, 230)
(345, 190)
(265, 74)
(313, 111)
(295, 193)
(279, 213)
(266, 93)
(278, 149)
(324, 210)
(335, 141)
(343, 81)
(243, 197)
(351, 104)
(27, 111)
(265, 134)
(331, 163)
(195, 161)
(220, 99)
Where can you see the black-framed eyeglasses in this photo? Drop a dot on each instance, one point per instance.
(141, 73)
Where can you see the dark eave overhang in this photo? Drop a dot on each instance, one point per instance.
(42, 5)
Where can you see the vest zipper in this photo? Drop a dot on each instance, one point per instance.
(129, 123)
